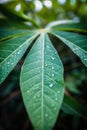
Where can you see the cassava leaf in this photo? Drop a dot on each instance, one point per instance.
(8, 33)
(73, 107)
(77, 43)
(72, 27)
(9, 24)
(42, 83)
(11, 52)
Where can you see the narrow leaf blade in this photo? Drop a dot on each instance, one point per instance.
(77, 43)
(72, 27)
(11, 51)
(42, 83)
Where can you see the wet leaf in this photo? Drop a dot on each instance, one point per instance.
(42, 83)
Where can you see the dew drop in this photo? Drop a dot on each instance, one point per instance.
(52, 58)
(18, 52)
(46, 64)
(52, 75)
(51, 85)
(52, 67)
(12, 63)
(85, 58)
(27, 91)
(58, 92)
(34, 88)
(8, 63)
(46, 115)
(75, 49)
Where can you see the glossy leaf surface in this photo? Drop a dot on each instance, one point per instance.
(42, 83)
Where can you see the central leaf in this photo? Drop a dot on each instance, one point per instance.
(42, 83)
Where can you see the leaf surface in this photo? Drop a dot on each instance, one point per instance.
(77, 43)
(42, 83)
(72, 27)
(6, 34)
(11, 51)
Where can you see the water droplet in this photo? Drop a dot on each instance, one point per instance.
(27, 91)
(18, 52)
(52, 75)
(12, 63)
(8, 63)
(46, 64)
(46, 115)
(52, 67)
(52, 58)
(51, 85)
(85, 59)
(76, 50)
(58, 92)
(53, 105)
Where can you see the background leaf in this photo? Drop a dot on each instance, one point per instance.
(11, 52)
(42, 83)
(73, 107)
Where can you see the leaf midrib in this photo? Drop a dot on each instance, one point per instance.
(42, 80)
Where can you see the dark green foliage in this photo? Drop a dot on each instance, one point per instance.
(41, 55)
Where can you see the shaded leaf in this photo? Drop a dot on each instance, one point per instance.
(73, 107)
(42, 83)
(11, 52)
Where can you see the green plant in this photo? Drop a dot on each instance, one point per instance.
(42, 73)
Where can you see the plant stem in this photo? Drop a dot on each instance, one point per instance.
(31, 20)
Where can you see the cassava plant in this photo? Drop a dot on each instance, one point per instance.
(42, 73)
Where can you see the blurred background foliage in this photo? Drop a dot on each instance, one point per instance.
(33, 13)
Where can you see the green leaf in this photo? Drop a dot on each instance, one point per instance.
(6, 34)
(72, 27)
(73, 107)
(77, 43)
(9, 24)
(42, 83)
(11, 51)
